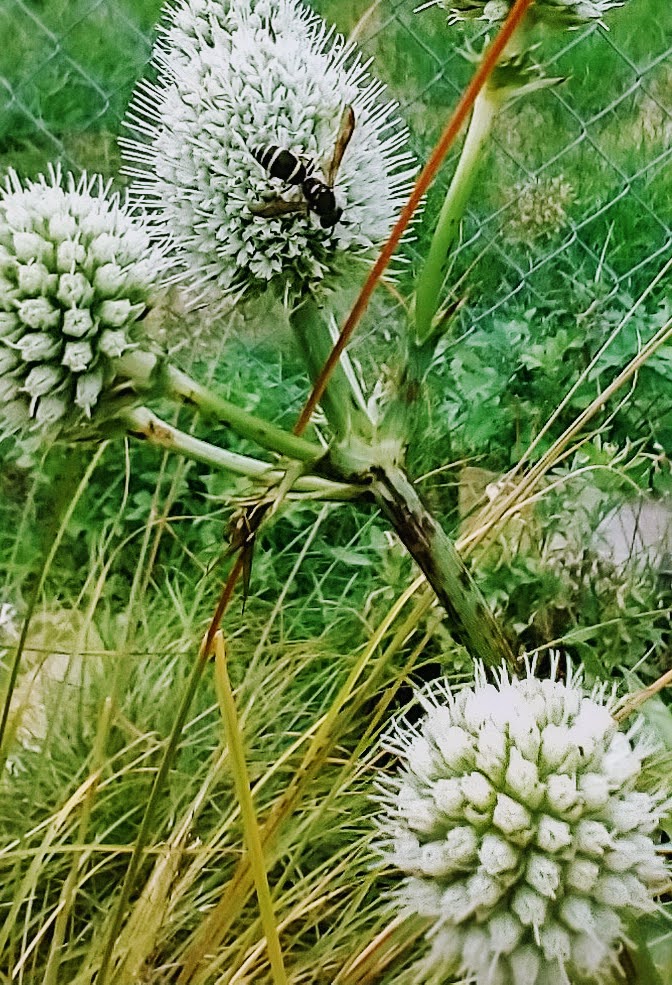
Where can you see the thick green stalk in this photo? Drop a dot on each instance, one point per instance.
(430, 281)
(148, 370)
(339, 401)
(144, 424)
(472, 622)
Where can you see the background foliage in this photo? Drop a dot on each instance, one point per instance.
(570, 222)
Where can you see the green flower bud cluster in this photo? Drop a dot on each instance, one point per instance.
(569, 13)
(538, 209)
(77, 272)
(523, 829)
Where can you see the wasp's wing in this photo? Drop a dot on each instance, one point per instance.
(277, 207)
(346, 128)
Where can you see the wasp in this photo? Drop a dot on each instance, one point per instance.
(318, 193)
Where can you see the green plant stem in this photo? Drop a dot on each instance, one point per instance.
(430, 281)
(148, 370)
(241, 779)
(472, 622)
(339, 401)
(145, 425)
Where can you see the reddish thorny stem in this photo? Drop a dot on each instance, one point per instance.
(425, 178)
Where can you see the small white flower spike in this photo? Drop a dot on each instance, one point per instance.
(237, 80)
(77, 270)
(519, 825)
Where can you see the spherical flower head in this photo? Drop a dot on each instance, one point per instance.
(568, 13)
(538, 209)
(77, 271)
(520, 821)
(236, 78)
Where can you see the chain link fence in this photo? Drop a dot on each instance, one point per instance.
(578, 184)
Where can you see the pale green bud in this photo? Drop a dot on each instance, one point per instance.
(419, 816)
(9, 389)
(74, 290)
(109, 280)
(553, 834)
(498, 855)
(522, 779)
(9, 326)
(543, 874)
(512, 818)
(89, 387)
(118, 313)
(422, 756)
(448, 796)
(38, 313)
(505, 932)
(14, 417)
(61, 227)
(77, 322)
(562, 795)
(525, 962)
(34, 278)
(555, 943)
(529, 906)
(41, 380)
(492, 751)
(104, 248)
(69, 255)
(478, 791)
(8, 290)
(77, 356)
(27, 246)
(8, 361)
(38, 347)
(50, 410)
(112, 344)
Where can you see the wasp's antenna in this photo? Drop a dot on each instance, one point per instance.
(346, 128)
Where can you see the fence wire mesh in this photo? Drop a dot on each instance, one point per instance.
(578, 182)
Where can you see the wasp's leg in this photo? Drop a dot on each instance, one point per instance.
(277, 207)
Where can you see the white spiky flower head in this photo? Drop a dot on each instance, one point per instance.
(77, 271)
(238, 75)
(568, 13)
(521, 825)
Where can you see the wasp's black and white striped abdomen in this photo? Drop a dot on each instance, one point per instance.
(318, 192)
(281, 163)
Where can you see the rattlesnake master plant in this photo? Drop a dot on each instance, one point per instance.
(571, 13)
(77, 271)
(521, 825)
(238, 74)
